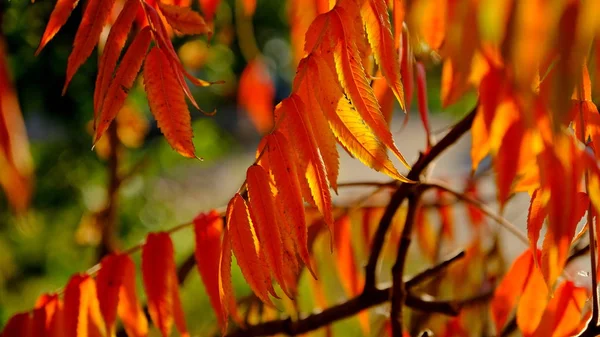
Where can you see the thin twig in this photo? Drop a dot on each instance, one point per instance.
(433, 271)
(483, 208)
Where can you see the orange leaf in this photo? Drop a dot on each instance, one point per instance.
(160, 281)
(184, 19)
(309, 162)
(256, 93)
(379, 33)
(352, 78)
(209, 7)
(129, 309)
(510, 288)
(49, 308)
(406, 68)
(301, 13)
(324, 138)
(18, 325)
(289, 198)
(426, 236)
(123, 81)
(112, 50)
(95, 15)
(446, 215)
(532, 303)
(61, 12)
(246, 248)
(563, 315)
(346, 123)
(167, 102)
(263, 215)
(207, 230)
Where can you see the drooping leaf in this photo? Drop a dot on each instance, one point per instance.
(353, 79)
(160, 281)
(88, 33)
(112, 50)
(564, 315)
(504, 162)
(61, 12)
(184, 19)
(532, 303)
(379, 33)
(129, 309)
(108, 284)
(324, 138)
(207, 230)
(167, 102)
(81, 309)
(244, 243)
(47, 316)
(309, 162)
(256, 93)
(263, 215)
(346, 123)
(510, 288)
(289, 198)
(119, 88)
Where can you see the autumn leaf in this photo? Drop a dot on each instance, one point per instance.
(564, 315)
(161, 287)
(289, 198)
(346, 123)
(422, 100)
(504, 162)
(309, 162)
(535, 218)
(81, 308)
(88, 33)
(18, 325)
(244, 243)
(108, 284)
(379, 33)
(207, 238)
(184, 19)
(119, 88)
(112, 50)
(352, 77)
(507, 293)
(129, 309)
(323, 135)
(263, 215)
(249, 7)
(167, 102)
(61, 12)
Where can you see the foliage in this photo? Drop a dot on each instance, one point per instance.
(534, 117)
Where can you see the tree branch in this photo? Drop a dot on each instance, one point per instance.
(403, 190)
(398, 286)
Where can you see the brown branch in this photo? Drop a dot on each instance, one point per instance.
(398, 290)
(403, 190)
(108, 216)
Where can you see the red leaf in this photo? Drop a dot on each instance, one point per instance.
(123, 81)
(209, 7)
(95, 15)
(160, 281)
(184, 19)
(207, 230)
(61, 12)
(18, 326)
(113, 47)
(422, 99)
(108, 282)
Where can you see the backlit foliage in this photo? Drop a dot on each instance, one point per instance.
(530, 63)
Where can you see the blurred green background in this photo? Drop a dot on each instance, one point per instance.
(56, 238)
